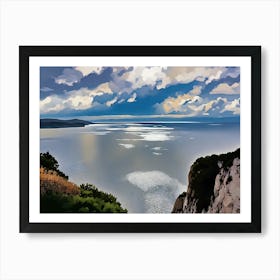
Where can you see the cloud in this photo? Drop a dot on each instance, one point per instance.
(181, 102)
(214, 107)
(69, 77)
(160, 190)
(197, 106)
(160, 77)
(232, 72)
(130, 84)
(51, 104)
(86, 70)
(46, 89)
(111, 102)
(218, 107)
(216, 76)
(132, 98)
(121, 101)
(186, 75)
(80, 99)
(196, 90)
(79, 102)
(103, 88)
(143, 76)
(233, 107)
(225, 88)
(129, 79)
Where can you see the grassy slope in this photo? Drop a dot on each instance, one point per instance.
(58, 195)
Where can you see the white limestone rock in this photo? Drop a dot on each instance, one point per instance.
(227, 190)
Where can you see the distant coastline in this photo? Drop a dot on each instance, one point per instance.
(68, 122)
(57, 123)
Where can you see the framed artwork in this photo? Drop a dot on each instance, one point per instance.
(140, 138)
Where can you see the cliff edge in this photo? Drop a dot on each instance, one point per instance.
(214, 186)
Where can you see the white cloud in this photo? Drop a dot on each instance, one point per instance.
(46, 89)
(79, 102)
(225, 88)
(128, 79)
(132, 98)
(103, 88)
(179, 103)
(196, 90)
(189, 74)
(86, 70)
(213, 77)
(144, 76)
(212, 106)
(51, 104)
(121, 101)
(111, 102)
(80, 99)
(197, 106)
(217, 107)
(233, 107)
(69, 77)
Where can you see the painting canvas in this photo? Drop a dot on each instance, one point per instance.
(141, 135)
(141, 139)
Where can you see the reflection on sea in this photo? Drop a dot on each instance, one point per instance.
(144, 165)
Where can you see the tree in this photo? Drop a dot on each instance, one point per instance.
(48, 162)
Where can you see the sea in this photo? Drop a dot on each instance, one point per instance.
(144, 164)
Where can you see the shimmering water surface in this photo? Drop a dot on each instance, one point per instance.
(144, 165)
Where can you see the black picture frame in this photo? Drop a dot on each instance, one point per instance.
(254, 52)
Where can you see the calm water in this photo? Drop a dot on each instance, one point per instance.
(144, 165)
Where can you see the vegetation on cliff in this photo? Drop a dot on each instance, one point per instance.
(58, 195)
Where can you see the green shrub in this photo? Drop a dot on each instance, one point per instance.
(92, 191)
(61, 203)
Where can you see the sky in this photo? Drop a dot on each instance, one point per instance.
(156, 91)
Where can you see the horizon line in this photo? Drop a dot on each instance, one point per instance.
(104, 117)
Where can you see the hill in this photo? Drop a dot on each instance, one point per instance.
(57, 123)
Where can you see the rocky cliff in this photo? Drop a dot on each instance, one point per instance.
(214, 186)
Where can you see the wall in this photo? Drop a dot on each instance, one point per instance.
(138, 256)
